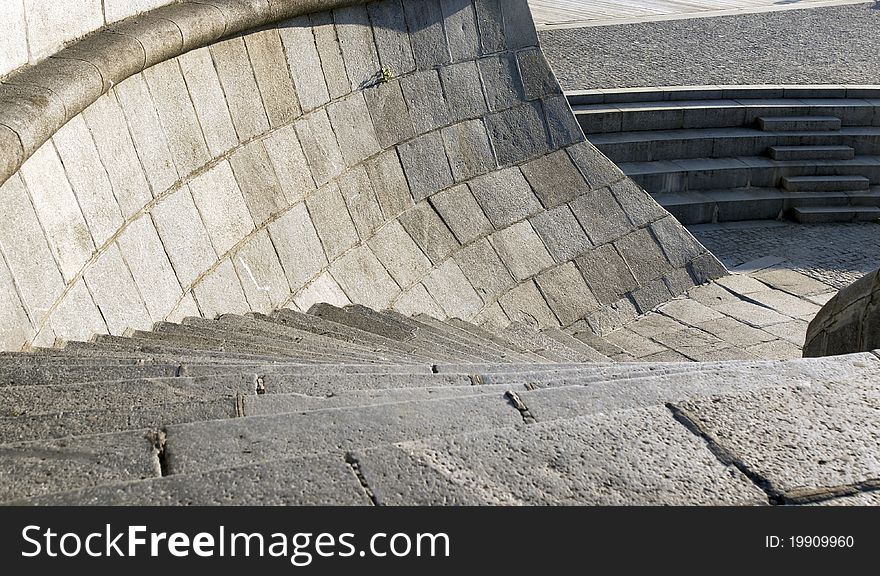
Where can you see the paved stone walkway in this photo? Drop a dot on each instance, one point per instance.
(836, 254)
(833, 45)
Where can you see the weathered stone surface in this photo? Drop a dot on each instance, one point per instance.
(269, 65)
(638, 205)
(322, 289)
(16, 329)
(460, 23)
(600, 215)
(519, 29)
(606, 273)
(390, 114)
(389, 183)
(561, 123)
(596, 168)
(400, 255)
(258, 182)
(526, 304)
(429, 231)
(361, 200)
(644, 256)
(502, 81)
(222, 207)
(287, 158)
(303, 61)
(505, 196)
(425, 22)
(567, 294)
(425, 165)
(160, 39)
(392, 36)
(555, 179)
(537, 78)
(14, 45)
(332, 221)
(298, 245)
(521, 250)
(58, 211)
(88, 179)
(451, 289)
(464, 90)
(358, 46)
(468, 149)
(209, 100)
(178, 116)
(424, 97)
(184, 236)
(115, 293)
(562, 234)
(416, 300)
(678, 244)
(518, 134)
(364, 279)
(114, 55)
(461, 212)
(351, 123)
(485, 271)
(240, 86)
(320, 147)
(491, 25)
(13, 154)
(262, 277)
(220, 292)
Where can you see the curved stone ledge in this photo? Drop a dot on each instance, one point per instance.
(849, 322)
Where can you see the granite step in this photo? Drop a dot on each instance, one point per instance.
(817, 214)
(504, 353)
(825, 183)
(812, 152)
(501, 342)
(533, 340)
(575, 344)
(778, 123)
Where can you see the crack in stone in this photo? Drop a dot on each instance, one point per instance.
(355, 467)
(159, 440)
(517, 403)
(824, 493)
(774, 496)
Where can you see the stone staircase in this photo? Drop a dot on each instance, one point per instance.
(712, 155)
(354, 406)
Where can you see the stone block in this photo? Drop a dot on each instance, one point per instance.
(601, 216)
(114, 55)
(304, 62)
(320, 147)
(364, 279)
(501, 80)
(184, 236)
(33, 113)
(358, 47)
(595, 166)
(537, 78)
(178, 116)
(555, 179)
(220, 292)
(354, 129)
(561, 233)
(147, 133)
(650, 295)
(563, 126)
(638, 205)
(526, 304)
(491, 25)
(606, 273)
(644, 256)
(416, 300)
(76, 318)
(518, 134)
(505, 196)
(678, 244)
(249, 115)
(209, 101)
(706, 267)
(425, 165)
(483, 268)
(116, 149)
(464, 90)
(15, 326)
(289, 162)
(88, 179)
(330, 54)
(361, 200)
(400, 255)
(269, 65)
(518, 25)
(451, 289)
(199, 24)
(262, 277)
(58, 211)
(161, 39)
(468, 149)
(425, 99)
(392, 37)
(14, 42)
(115, 293)
(429, 231)
(298, 246)
(258, 183)
(76, 83)
(150, 268)
(461, 212)
(390, 114)
(222, 207)
(13, 153)
(567, 294)
(323, 289)
(389, 183)
(521, 250)
(425, 22)
(332, 221)
(460, 22)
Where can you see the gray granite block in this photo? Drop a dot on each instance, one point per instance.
(329, 213)
(561, 233)
(425, 21)
(236, 74)
(425, 165)
(464, 90)
(258, 182)
(502, 81)
(601, 216)
(521, 250)
(330, 53)
(389, 183)
(518, 134)
(354, 129)
(505, 196)
(461, 212)
(468, 149)
(392, 36)
(358, 47)
(426, 101)
(555, 179)
(606, 273)
(483, 268)
(567, 294)
(429, 231)
(390, 114)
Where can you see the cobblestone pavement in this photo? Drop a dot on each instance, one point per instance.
(836, 254)
(832, 45)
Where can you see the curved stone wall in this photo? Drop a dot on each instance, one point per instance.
(278, 167)
(849, 322)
